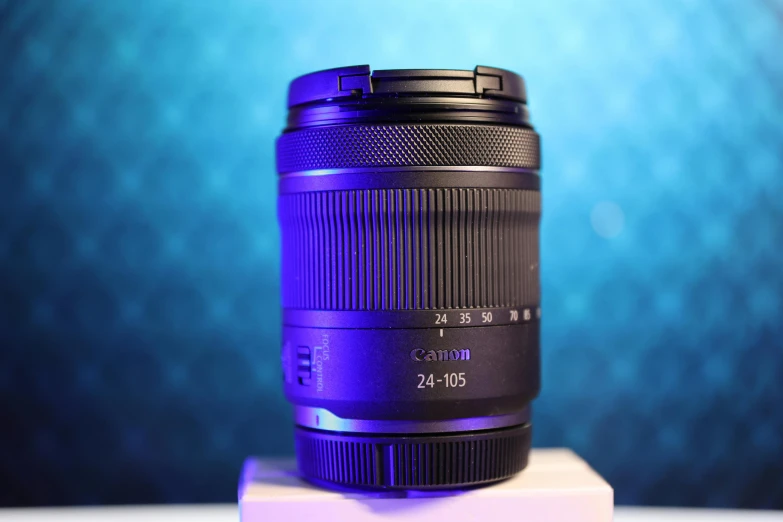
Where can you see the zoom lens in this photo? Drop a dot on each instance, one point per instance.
(409, 206)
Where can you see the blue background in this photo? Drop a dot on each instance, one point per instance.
(139, 249)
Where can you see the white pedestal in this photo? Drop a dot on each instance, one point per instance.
(556, 486)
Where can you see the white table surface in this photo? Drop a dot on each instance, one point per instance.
(228, 513)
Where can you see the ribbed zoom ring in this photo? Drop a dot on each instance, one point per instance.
(428, 462)
(410, 249)
(351, 146)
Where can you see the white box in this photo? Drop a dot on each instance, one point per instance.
(556, 486)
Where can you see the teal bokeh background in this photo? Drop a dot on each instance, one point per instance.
(139, 319)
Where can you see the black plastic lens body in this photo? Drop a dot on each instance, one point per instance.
(409, 206)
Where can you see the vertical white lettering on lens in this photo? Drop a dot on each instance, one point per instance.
(321, 354)
(318, 364)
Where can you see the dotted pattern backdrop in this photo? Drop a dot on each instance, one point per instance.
(139, 320)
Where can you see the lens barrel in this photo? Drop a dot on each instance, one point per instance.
(409, 207)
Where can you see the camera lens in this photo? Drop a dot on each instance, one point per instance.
(409, 206)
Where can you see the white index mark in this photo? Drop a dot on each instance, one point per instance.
(441, 332)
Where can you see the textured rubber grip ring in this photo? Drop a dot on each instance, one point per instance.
(354, 146)
(431, 248)
(413, 462)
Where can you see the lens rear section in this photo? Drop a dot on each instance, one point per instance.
(409, 207)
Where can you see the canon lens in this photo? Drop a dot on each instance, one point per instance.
(409, 208)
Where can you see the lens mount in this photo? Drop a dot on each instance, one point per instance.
(413, 462)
